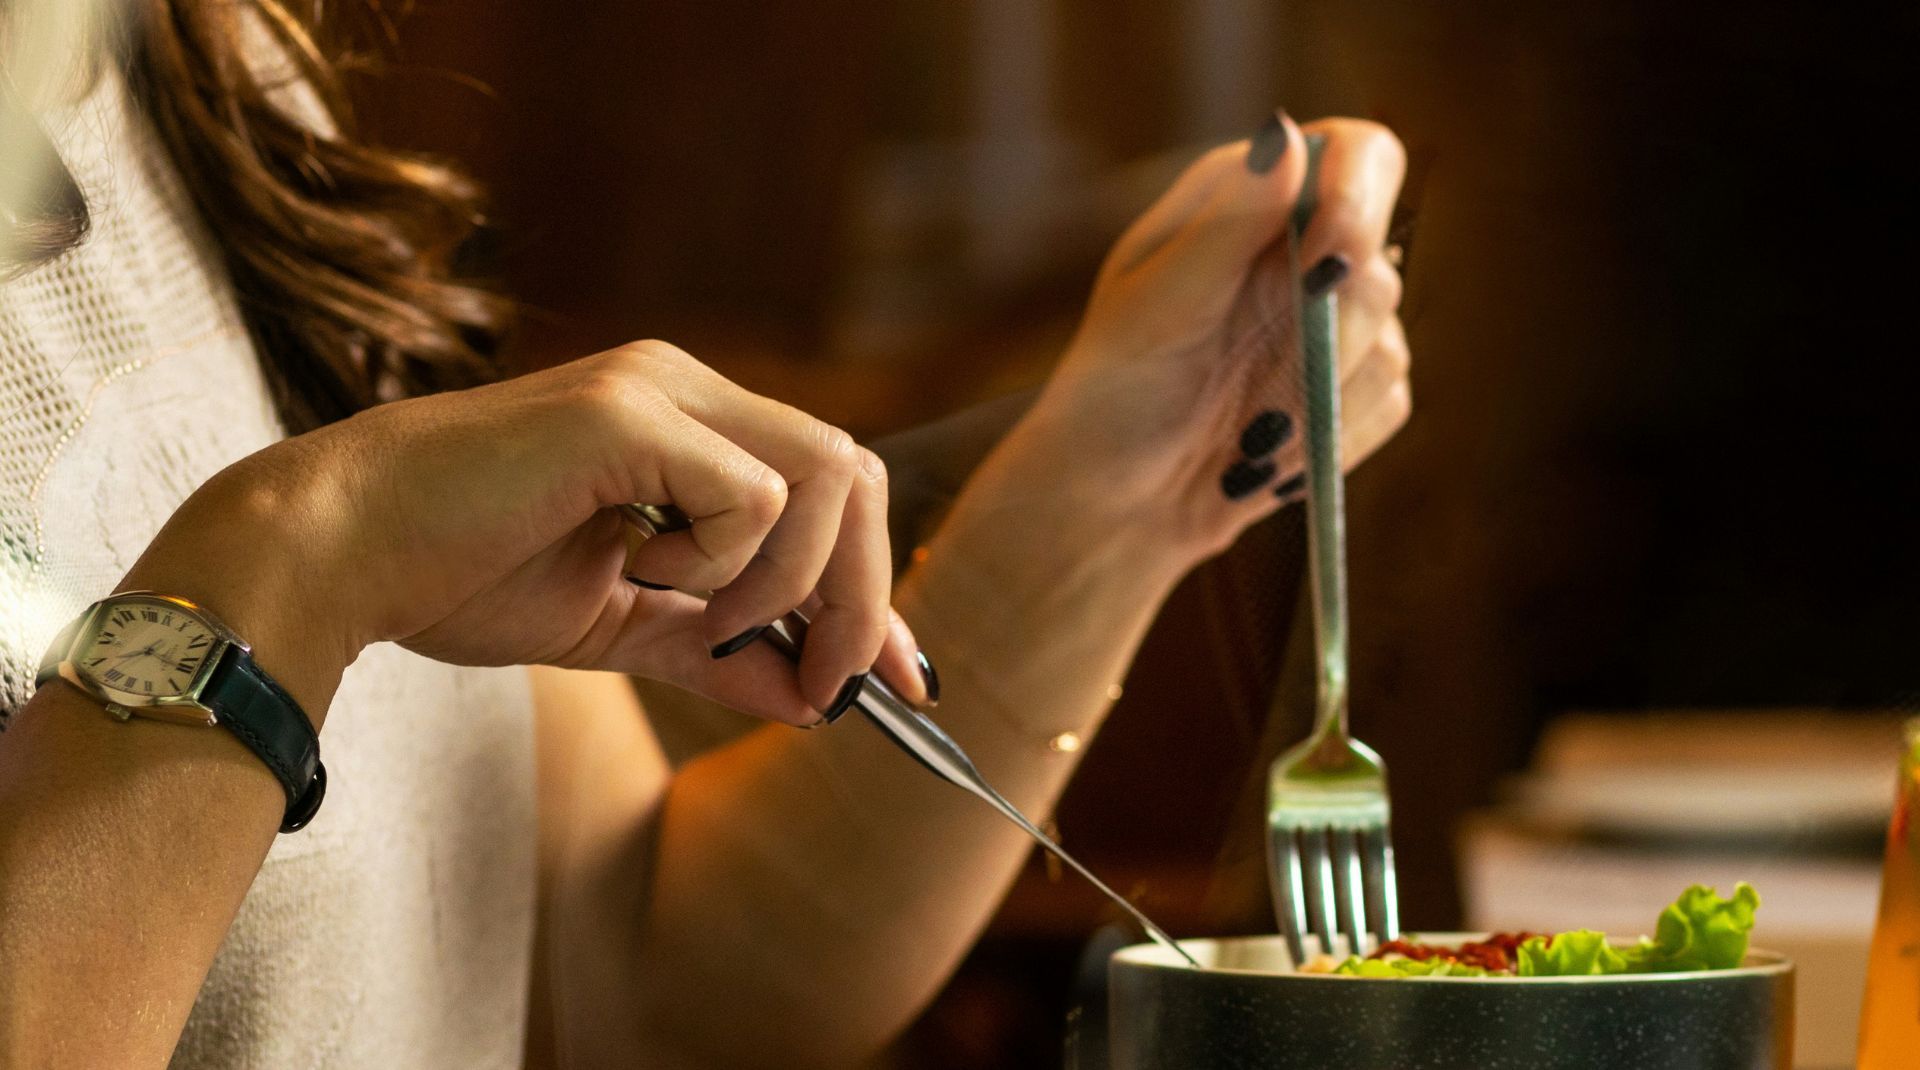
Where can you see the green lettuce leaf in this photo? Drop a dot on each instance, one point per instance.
(1700, 931)
(1579, 952)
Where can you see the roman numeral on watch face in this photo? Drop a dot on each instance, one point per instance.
(148, 649)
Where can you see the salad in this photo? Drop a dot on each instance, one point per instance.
(1698, 931)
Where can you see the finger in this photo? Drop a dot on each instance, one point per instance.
(660, 635)
(820, 475)
(1361, 168)
(1204, 233)
(903, 664)
(1375, 402)
(1368, 300)
(828, 489)
(853, 619)
(1379, 399)
(732, 499)
(820, 464)
(1389, 358)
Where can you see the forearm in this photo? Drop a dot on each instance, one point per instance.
(825, 879)
(124, 852)
(125, 848)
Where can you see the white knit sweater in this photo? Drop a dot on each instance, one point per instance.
(396, 931)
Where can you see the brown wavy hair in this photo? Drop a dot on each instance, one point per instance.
(345, 255)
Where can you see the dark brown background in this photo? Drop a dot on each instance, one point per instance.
(1659, 293)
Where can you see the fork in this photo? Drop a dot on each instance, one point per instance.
(1330, 852)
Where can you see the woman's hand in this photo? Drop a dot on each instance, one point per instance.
(1184, 356)
(475, 527)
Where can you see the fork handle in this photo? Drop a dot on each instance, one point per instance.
(1326, 509)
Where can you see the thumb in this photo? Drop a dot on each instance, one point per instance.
(1191, 250)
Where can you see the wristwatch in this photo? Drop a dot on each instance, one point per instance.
(161, 657)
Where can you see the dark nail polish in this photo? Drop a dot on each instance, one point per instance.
(1324, 276)
(1268, 145)
(1291, 487)
(736, 644)
(1244, 477)
(843, 700)
(929, 677)
(638, 582)
(1265, 433)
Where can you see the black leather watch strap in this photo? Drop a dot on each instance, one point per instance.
(273, 726)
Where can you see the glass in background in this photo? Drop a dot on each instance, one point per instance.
(1890, 1018)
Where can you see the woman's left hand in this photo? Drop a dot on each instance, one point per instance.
(1178, 402)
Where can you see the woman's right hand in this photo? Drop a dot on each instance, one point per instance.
(476, 527)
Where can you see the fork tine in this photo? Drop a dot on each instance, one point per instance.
(1379, 862)
(1383, 901)
(1289, 891)
(1319, 874)
(1350, 889)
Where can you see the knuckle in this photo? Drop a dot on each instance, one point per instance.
(1399, 355)
(1342, 209)
(651, 357)
(837, 451)
(605, 391)
(1399, 402)
(765, 496)
(787, 589)
(873, 470)
(1365, 135)
(1386, 144)
(1384, 280)
(1373, 135)
(867, 619)
(655, 350)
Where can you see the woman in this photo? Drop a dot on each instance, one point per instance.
(239, 390)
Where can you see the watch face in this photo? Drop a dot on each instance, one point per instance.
(150, 648)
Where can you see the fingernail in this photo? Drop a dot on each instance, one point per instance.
(736, 644)
(1291, 487)
(844, 699)
(813, 724)
(1244, 477)
(928, 677)
(1265, 433)
(1269, 143)
(1324, 276)
(638, 582)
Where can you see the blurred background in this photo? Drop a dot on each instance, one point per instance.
(1656, 510)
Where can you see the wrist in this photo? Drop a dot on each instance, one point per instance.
(1051, 542)
(1051, 501)
(237, 548)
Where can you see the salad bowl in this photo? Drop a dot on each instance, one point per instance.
(1246, 1007)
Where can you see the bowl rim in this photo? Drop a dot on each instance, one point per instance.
(1758, 963)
